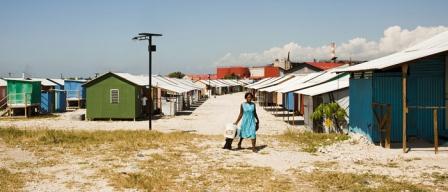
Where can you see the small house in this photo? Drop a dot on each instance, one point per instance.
(412, 83)
(3, 92)
(60, 95)
(24, 97)
(48, 96)
(76, 93)
(332, 91)
(112, 96)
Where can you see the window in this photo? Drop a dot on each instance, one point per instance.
(114, 96)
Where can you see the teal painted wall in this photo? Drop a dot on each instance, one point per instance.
(426, 87)
(361, 113)
(387, 89)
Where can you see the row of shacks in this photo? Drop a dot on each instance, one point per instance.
(300, 94)
(127, 96)
(110, 96)
(390, 99)
(24, 96)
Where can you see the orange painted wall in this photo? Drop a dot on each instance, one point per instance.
(242, 72)
(270, 71)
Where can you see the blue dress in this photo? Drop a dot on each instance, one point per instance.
(248, 122)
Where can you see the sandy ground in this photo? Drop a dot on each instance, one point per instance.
(209, 118)
(356, 155)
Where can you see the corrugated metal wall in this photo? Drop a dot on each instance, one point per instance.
(60, 101)
(426, 87)
(17, 88)
(290, 101)
(308, 110)
(361, 116)
(47, 102)
(387, 90)
(75, 89)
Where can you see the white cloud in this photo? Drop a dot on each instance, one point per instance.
(394, 39)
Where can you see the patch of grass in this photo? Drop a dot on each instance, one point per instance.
(158, 173)
(325, 164)
(10, 181)
(310, 141)
(123, 141)
(336, 181)
(440, 177)
(392, 165)
(249, 178)
(413, 159)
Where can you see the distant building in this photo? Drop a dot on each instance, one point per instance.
(264, 71)
(196, 77)
(241, 72)
(283, 64)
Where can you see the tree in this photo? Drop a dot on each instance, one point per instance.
(332, 115)
(176, 74)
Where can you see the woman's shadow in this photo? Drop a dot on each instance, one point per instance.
(258, 148)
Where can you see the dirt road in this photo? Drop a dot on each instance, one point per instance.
(127, 160)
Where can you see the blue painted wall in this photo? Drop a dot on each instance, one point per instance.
(72, 86)
(361, 113)
(426, 87)
(60, 100)
(387, 90)
(47, 102)
(289, 101)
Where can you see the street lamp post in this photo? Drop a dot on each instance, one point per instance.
(151, 48)
(209, 86)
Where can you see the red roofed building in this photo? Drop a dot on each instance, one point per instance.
(264, 71)
(242, 72)
(196, 77)
(324, 65)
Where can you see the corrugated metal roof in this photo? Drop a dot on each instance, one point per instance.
(284, 84)
(20, 79)
(214, 83)
(258, 82)
(266, 83)
(163, 83)
(136, 79)
(278, 81)
(186, 82)
(58, 81)
(337, 84)
(156, 81)
(434, 45)
(298, 83)
(44, 82)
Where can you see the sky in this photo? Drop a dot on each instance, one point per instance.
(79, 38)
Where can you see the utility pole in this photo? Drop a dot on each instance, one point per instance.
(151, 48)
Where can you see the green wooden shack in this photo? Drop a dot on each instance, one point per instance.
(115, 96)
(24, 96)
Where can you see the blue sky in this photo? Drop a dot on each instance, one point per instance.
(80, 38)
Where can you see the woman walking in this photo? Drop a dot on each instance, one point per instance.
(250, 122)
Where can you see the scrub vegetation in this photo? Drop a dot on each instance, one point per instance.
(336, 181)
(177, 161)
(310, 141)
(10, 181)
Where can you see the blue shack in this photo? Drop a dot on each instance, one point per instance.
(59, 95)
(411, 83)
(76, 93)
